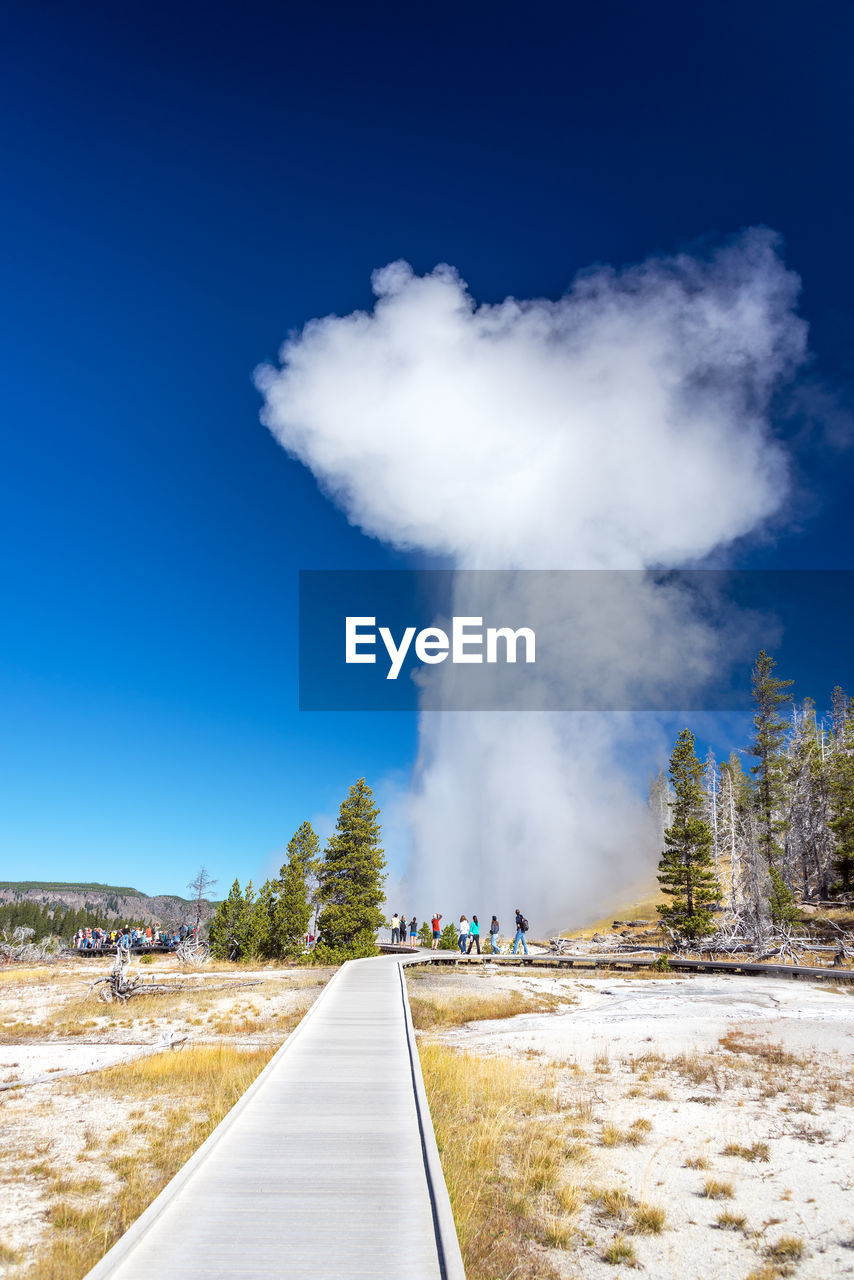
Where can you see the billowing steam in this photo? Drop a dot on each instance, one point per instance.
(623, 426)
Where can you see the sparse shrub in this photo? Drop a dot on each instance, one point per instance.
(614, 1202)
(713, 1189)
(758, 1151)
(786, 1249)
(731, 1221)
(569, 1197)
(697, 1162)
(558, 1233)
(620, 1250)
(662, 964)
(648, 1219)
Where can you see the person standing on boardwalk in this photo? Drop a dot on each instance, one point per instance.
(463, 931)
(521, 930)
(413, 930)
(493, 936)
(474, 935)
(436, 924)
(395, 929)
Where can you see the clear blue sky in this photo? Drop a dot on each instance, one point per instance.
(182, 185)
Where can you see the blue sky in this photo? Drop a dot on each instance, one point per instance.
(184, 185)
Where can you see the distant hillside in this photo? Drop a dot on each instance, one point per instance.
(113, 900)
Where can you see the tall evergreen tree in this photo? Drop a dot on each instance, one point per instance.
(351, 878)
(841, 775)
(294, 908)
(769, 694)
(305, 846)
(686, 870)
(264, 923)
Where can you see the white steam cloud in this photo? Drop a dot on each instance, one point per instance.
(623, 426)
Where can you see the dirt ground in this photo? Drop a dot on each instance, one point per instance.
(727, 1101)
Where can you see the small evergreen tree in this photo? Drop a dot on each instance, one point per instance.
(686, 869)
(236, 930)
(351, 879)
(769, 694)
(447, 938)
(781, 900)
(425, 935)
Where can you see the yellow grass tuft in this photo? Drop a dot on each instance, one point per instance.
(713, 1189)
(433, 1012)
(648, 1219)
(619, 1251)
(502, 1158)
(757, 1151)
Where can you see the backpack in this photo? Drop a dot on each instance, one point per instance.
(524, 925)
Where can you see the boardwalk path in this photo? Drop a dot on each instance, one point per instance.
(326, 1168)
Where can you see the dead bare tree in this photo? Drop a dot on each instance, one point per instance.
(200, 885)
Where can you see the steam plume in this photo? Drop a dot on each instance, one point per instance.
(623, 426)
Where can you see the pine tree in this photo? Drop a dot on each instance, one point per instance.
(448, 938)
(254, 924)
(841, 786)
(264, 925)
(781, 900)
(293, 909)
(769, 694)
(235, 931)
(305, 845)
(425, 935)
(686, 869)
(351, 878)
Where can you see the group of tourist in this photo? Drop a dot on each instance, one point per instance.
(468, 932)
(129, 938)
(399, 930)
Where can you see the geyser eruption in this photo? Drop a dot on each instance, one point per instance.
(623, 426)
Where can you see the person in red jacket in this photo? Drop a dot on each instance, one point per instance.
(436, 923)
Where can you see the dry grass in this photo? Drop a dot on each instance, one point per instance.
(186, 1095)
(620, 1251)
(757, 1151)
(770, 1053)
(731, 1221)
(503, 1158)
(786, 1249)
(612, 1136)
(648, 1219)
(440, 1012)
(714, 1189)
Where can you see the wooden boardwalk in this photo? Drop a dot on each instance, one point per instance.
(326, 1168)
(553, 960)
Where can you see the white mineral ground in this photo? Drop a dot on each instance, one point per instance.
(803, 1109)
(52, 1028)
